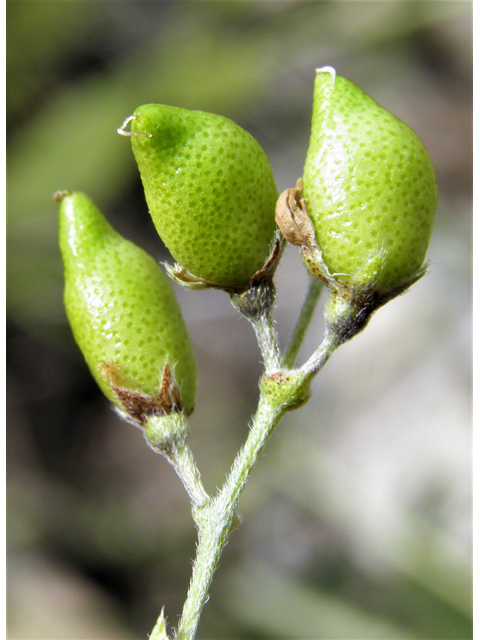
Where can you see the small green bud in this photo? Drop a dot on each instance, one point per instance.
(369, 188)
(124, 315)
(210, 191)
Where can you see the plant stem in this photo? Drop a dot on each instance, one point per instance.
(268, 343)
(182, 460)
(167, 435)
(309, 305)
(256, 304)
(218, 518)
(323, 353)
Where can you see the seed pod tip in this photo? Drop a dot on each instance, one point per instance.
(329, 70)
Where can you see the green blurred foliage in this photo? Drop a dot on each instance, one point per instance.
(100, 535)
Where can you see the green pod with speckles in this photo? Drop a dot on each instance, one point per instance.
(210, 191)
(369, 187)
(121, 306)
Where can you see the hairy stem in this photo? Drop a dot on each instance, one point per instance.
(268, 342)
(280, 392)
(256, 304)
(218, 518)
(167, 435)
(323, 353)
(183, 461)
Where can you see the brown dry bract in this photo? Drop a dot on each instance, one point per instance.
(139, 406)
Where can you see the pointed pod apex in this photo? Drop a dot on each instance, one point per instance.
(122, 131)
(329, 70)
(58, 196)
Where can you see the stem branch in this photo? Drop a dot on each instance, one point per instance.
(183, 461)
(219, 517)
(321, 355)
(268, 343)
(256, 304)
(167, 435)
(280, 391)
(298, 334)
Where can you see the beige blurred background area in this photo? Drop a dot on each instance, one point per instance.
(356, 522)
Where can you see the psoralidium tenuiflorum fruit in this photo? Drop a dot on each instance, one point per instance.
(369, 187)
(210, 191)
(122, 309)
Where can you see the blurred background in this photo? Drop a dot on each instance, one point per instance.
(357, 519)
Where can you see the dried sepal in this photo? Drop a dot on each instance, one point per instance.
(292, 217)
(137, 407)
(186, 279)
(293, 220)
(267, 271)
(258, 298)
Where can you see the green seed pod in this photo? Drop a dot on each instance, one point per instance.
(369, 187)
(210, 191)
(123, 313)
